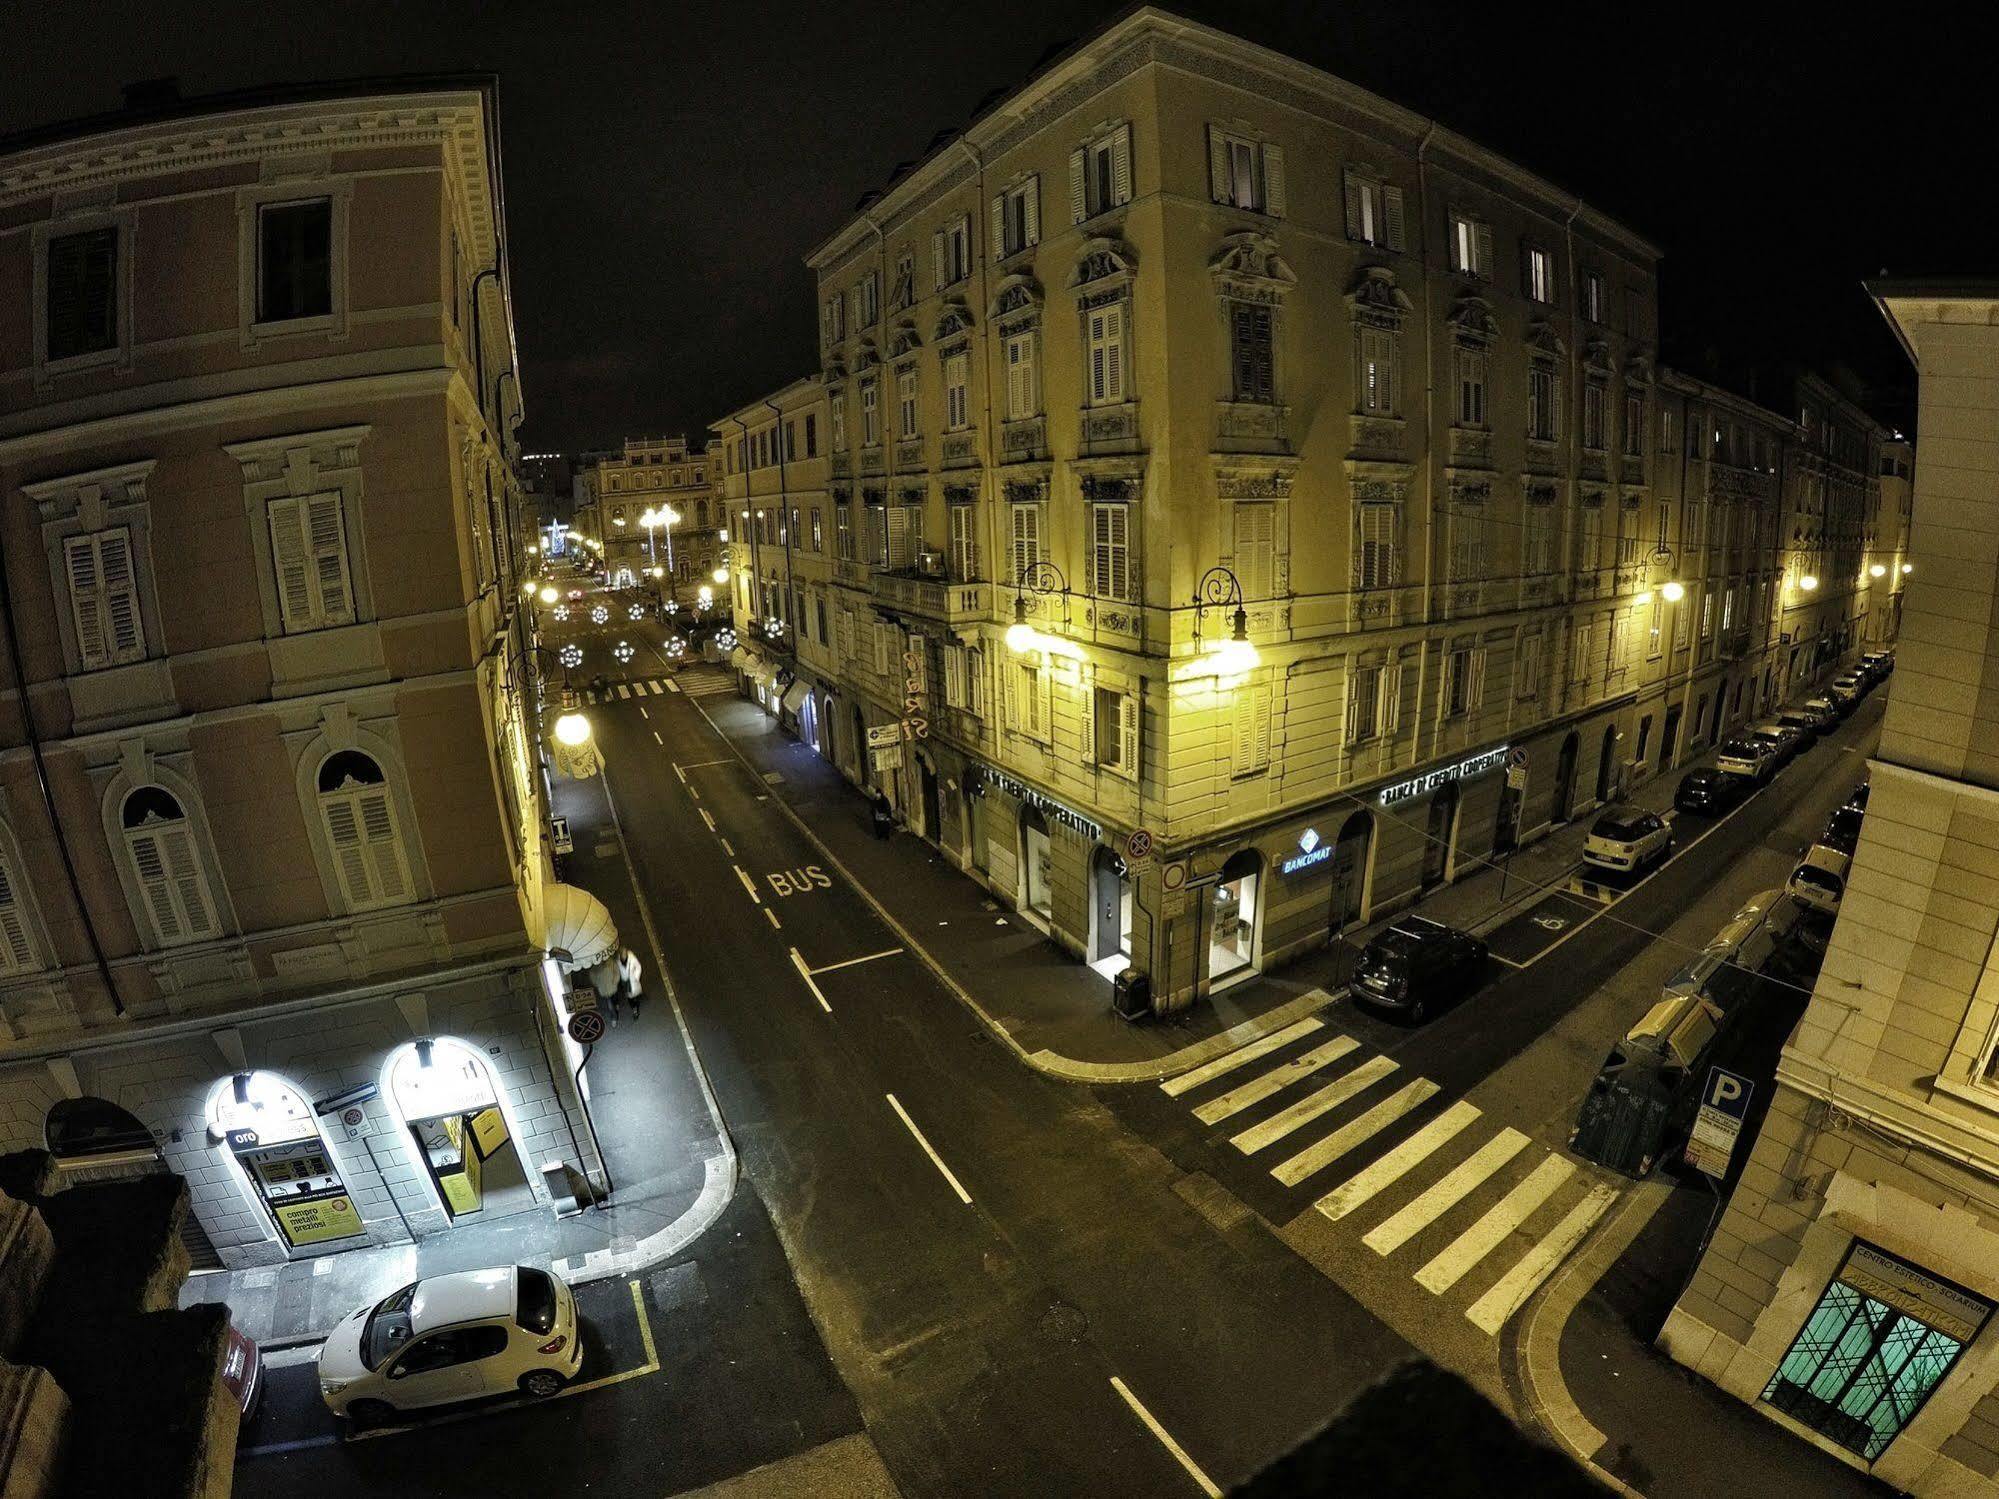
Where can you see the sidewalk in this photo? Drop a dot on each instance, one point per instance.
(672, 1167)
(1051, 1008)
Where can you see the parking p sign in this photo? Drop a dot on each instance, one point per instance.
(1724, 1104)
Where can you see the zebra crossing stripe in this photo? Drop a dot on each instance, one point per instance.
(1317, 1157)
(1278, 1078)
(1504, 1216)
(623, 692)
(1392, 1233)
(654, 688)
(1312, 1105)
(1186, 1082)
(672, 686)
(1511, 1290)
(1419, 1147)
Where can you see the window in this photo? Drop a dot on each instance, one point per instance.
(1527, 670)
(870, 416)
(1593, 301)
(1707, 611)
(1627, 534)
(1028, 712)
(1471, 246)
(1023, 388)
(1468, 537)
(902, 291)
(1026, 540)
(1593, 414)
(1377, 371)
(836, 420)
(1538, 539)
(160, 848)
(867, 298)
(1363, 704)
(309, 552)
(104, 598)
(819, 613)
(1589, 543)
(905, 400)
(1655, 637)
(17, 948)
(811, 443)
(836, 318)
(1017, 218)
(1374, 211)
(1543, 404)
(843, 532)
(818, 531)
(1464, 681)
(1110, 551)
(1620, 643)
(1244, 173)
(1250, 352)
(1114, 720)
(81, 293)
(1100, 174)
(1256, 548)
(1106, 327)
(1539, 265)
(359, 817)
(1375, 557)
(1252, 730)
(1472, 364)
(964, 543)
(294, 260)
(1634, 423)
(788, 535)
(951, 252)
(956, 405)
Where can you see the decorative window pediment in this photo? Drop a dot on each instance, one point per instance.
(903, 338)
(955, 321)
(1017, 301)
(1103, 264)
(1596, 358)
(1248, 267)
(1544, 340)
(1376, 300)
(1638, 368)
(1112, 488)
(866, 356)
(836, 368)
(1025, 491)
(1472, 321)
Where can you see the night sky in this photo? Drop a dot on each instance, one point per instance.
(668, 166)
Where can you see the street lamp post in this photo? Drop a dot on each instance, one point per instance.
(1220, 588)
(1043, 579)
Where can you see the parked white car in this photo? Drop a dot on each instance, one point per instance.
(1819, 881)
(1627, 838)
(1743, 756)
(451, 1338)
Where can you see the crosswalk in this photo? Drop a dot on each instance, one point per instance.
(707, 681)
(618, 692)
(1476, 1211)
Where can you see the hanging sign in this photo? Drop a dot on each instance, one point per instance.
(881, 735)
(318, 1219)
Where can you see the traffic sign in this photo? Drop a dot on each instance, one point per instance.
(1173, 876)
(586, 1026)
(883, 734)
(1138, 847)
(1724, 1105)
(1516, 758)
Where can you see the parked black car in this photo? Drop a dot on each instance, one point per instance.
(1417, 966)
(1857, 797)
(1710, 791)
(1842, 831)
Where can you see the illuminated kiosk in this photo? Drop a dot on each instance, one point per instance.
(266, 1126)
(445, 1096)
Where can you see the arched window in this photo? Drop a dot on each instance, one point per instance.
(361, 832)
(159, 841)
(701, 515)
(17, 947)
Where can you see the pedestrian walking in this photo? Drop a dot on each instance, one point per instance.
(606, 983)
(628, 979)
(884, 815)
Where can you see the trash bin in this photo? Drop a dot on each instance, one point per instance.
(1131, 994)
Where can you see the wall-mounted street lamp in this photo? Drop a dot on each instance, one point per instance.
(1809, 582)
(1907, 568)
(575, 747)
(1878, 570)
(1220, 588)
(1043, 579)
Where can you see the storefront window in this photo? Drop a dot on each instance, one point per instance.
(1035, 895)
(446, 1096)
(1882, 1337)
(268, 1127)
(1232, 943)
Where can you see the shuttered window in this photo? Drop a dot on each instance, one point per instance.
(81, 281)
(159, 841)
(1375, 553)
(1543, 409)
(361, 832)
(294, 260)
(1107, 354)
(956, 403)
(1377, 372)
(905, 399)
(1256, 548)
(1252, 730)
(964, 543)
(1471, 246)
(309, 554)
(1100, 174)
(1374, 212)
(1017, 218)
(1110, 551)
(1026, 540)
(1250, 352)
(1245, 173)
(17, 949)
(1527, 670)
(1023, 387)
(1363, 704)
(104, 598)
(1471, 387)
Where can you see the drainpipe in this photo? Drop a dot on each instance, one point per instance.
(750, 524)
(1430, 445)
(42, 784)
(784, 513)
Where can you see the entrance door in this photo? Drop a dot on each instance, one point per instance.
(1350, 870)
(1035, 899)
(1110, 910)
(861, 748)
(1606, 765)
(449, 1105)
(1233, 950)
(1506, 826)
(1565, 780)
(1668, 736)
(1442, 834)
(933, 822)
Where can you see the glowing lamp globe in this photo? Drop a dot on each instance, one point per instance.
(572, 729)
(1808, 582)
(1020, 636)
(1878, 570)
(1674, 592)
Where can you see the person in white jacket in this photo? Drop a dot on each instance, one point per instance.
(628, 979)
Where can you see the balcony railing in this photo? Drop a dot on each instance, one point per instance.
(933, 598)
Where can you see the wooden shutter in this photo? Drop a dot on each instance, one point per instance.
(343, 837)
(999, 246)
(86, 588)
(1475, 695)
(1354, 678)
(17, 953)
(155, 886)
(291, 558)
(326, 537)
(1252, 729)
(1112, 551)
(1391, 216)
(1127, 733)
(1273, 179)
(1093, 750)
(937, 260)
(121, 596)
(1219, 187)
(1389, 699)
(1121, 165)
(954, 675)
(1482, 255)
(384, 848)
(1114, 352)
(1355, 224)
(81, 283)
(1030, 216)
(1255, 547)
(1078, 202)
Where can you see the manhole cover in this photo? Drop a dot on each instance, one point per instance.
(1062, 1323)
(773, 778)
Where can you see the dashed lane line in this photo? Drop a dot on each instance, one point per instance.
(1206, 1484)
(705, 817)
(775, 923)
(748, 884)
(798, 962)
(935, 1159)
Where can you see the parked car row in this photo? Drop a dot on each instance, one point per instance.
(1754, 755)
(1819, 881)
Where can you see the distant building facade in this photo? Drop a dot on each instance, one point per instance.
(674, 484)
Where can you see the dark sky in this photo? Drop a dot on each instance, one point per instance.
(669, 165)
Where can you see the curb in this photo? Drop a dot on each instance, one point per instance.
(1539, 1353)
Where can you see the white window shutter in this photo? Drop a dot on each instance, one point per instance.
(190, 887)
(999, 244)
(1353, 705)
(1044, 706)
(1273, 179)
(149, 863)
(1355, 223)
(1482, 235)
(1090, 747)
(290, 557)
(954, 675)
(326, 532)
(937, 259)
(1391, 213)
(17, 953)
(1475, 697)
(1391, 698)
(1127, 733)
(1121, 164)
(343, 837)
(1031, 214)
(86, 599)
(1218, 167)
(385, 854)
(1078, 206)
(121, 596)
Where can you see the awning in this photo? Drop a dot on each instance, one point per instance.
(795, 695)
(576, 928)
(740, 659)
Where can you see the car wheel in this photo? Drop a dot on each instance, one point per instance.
(367, 1413)
(1418, 1010)
(542, 1383)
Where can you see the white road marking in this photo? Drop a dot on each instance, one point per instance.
(655, 689)
(1362, 1185)
(1275, 1080)
(681, 773)
(1392, 1233)
(1409, 1097)
(672, 686)
(693, 793)
(657, 740)
(1186, 1082)
(727, 849)
(748, 883)
(850, 962)
(1193, 1468)
(805, 973)
(773, 918)
(1310, 1107)
(935, 1159)
(623, 692)
(706, 818)
(643, 714)
(1504, 1216)
(1490, 1311)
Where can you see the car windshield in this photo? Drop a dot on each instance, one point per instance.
(1389, 954)
(1843, 831)
(1742, 749)
(388, 1327)
(1824, 879)
(1622, 828)
(537, 1308)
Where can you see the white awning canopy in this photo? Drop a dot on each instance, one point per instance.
(740, 659)
(795, 695)
(577, 929)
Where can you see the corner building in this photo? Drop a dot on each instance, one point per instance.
(271, 812)
(1183, 328)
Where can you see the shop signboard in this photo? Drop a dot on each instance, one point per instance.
(888, 757)
(564, 844)
(315, 1220)
(334, 1103)
(1463, 770)
(1312, 851)
(489, 1132)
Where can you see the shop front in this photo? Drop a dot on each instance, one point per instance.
(271, 1135)
(452, 1113)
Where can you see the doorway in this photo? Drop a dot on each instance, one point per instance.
(266, 1125)
(1350, 851)
(93, 1139)
(1606, 766)
(926, 782)
(808, 721)
(458, 1129)
(861, 748)
(1442, 835)
(1237, 913)
(1036, 901)
(1669, 734)
(1565, 780)
(1110, 913)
